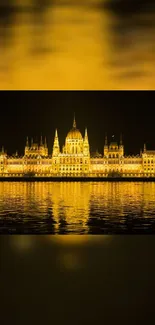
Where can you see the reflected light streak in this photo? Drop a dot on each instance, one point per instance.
(77, 240)
(74, 208)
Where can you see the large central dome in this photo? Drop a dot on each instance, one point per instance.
(74, 133)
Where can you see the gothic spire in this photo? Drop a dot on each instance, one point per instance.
(86, 144)
(144, 147)
(74, 122)
(56, 140)
(86, 141)
(86, 134)
(56, 133)
(56, 147)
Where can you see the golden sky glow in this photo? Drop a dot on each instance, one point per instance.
(75, 49)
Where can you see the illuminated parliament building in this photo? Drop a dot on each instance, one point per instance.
(75, 160)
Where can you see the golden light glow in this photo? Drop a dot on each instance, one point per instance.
(74, 46)
(71, 240)
(71, 208)
(74, 160)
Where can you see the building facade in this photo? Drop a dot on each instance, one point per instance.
(75, 160)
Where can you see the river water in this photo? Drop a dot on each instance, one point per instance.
(84, 44)
(77, 208)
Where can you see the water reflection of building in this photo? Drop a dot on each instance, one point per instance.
(75, 160)
(70, 205)
(64, 207)
(76, 207)
(126, 207)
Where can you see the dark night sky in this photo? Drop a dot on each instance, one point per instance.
(33, 113)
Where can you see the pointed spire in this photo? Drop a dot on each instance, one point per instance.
(56, 147)
(86, 141)
(86, 133)
(74, 122)
(31, 141)
(2, 149)
(144, 147)
(56, 140)
(86, 144)
(56, 133)
(27, 142)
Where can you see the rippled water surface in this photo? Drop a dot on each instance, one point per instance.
(77, 208)
(77, 44)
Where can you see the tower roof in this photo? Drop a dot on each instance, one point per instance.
(74, 133)
(74, 123)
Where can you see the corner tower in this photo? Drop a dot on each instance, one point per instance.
(106, 146)
(36, 150)
(86, 149)
(56, 146)
(121, 147)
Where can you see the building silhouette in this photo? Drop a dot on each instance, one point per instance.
(75, 160)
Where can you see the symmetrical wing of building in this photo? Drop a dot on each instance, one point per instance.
(75, 160)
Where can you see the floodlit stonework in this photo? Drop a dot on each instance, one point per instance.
(74, 160)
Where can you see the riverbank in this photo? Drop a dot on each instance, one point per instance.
(77, 179)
